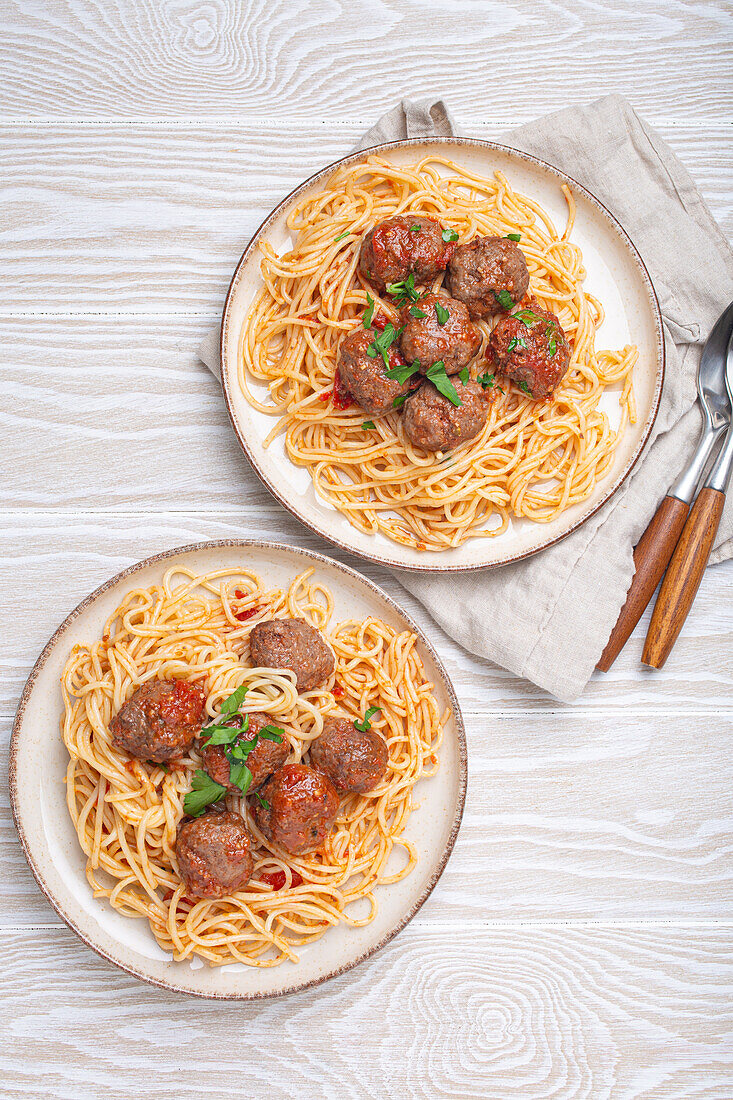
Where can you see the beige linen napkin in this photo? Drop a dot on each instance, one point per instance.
(548, 618)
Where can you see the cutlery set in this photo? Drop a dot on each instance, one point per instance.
(681, 534)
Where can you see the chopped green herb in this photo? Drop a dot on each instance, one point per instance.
(463, 375)
(368, 312)
(366, 723)
(262, 801)
(155, 764)
(400, 400)
(441, 313)
(449, 235)
(504, 299)
(525, 388)
(402, 372)
(233, 702)
(415, 312)
(437, 375)
(241, 750)
(516, 237)
(488, 381)
(404, 290)
(552, 345)
(368, 425)
(415, 228)
(527, 317)
(382, 342)
(272, 733)
(224, 735)
(516, 342)
(341, 236)
(240, 776)
(203, 792)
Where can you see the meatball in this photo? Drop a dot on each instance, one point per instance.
(293, 644)
(531, 348)
(365, 377)
(433, 422)
(301, 806)
(407, 243)
(352, 760)
(213, 855)
(443, 332)
(489, 274)
(262, 761)
(160, 720)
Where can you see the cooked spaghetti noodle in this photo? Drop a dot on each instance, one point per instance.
(126, 811)
(532, 460)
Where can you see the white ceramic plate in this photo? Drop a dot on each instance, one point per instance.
(616, 275)
(38, 761)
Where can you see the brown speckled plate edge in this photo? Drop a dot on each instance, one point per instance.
(275, 548)
(432, 565)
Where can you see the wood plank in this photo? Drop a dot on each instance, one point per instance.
(538, 1011)
(85, 59)
(54, 559)
(570, 815)
(153, 218)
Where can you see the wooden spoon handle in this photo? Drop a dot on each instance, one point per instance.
(683, 576)
(651, 556)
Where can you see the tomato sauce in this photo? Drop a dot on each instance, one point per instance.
(276, 879)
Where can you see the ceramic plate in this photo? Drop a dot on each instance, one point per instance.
(616, 275)
(38, 760)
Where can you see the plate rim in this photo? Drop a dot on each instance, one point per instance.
(433, 566)
(273, 547)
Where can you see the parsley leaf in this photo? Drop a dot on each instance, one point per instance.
(240, 776)
(487, 380)
(552, 345)
(441, 313)
(203, 792)
(366, 723)
(368, 312)
(404, 289)
(368, 425)
(224, 735)
(400, 400)
(402, 372)
(415, 312)
(504, 299)
(241, 750)
(437, 375)
(516, 237)
(341, 236)
(449, 235)
(527, 317)
(272, 733)
(232, 704)
(516, 342)
(383, 342)
(415, 229)
(463, 375)
(262, 801)
(525, 388)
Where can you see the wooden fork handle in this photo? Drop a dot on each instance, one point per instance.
(651, 556)
(683, 576)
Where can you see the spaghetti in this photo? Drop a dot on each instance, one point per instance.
(532, 460)
(126, 811)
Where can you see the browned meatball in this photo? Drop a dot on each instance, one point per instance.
(262, 761)
(301, 808)
(160, 720)
(438, 328)
(407, 243)
(213, 855)
(365, 377)
(352, 760)
(292, 644)
(531, 348)
(431, 421)
(489, 274)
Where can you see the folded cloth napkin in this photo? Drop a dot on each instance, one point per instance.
(548, 618)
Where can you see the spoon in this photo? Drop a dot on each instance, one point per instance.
(656, 545)
(691, 554)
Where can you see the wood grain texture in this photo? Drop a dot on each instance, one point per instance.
(549, 829)
(651, 555)
(146, 219)
(334, 59)
(683, 577)
(580, 943)
(639, 1012)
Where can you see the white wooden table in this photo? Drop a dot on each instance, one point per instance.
(579, 943)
